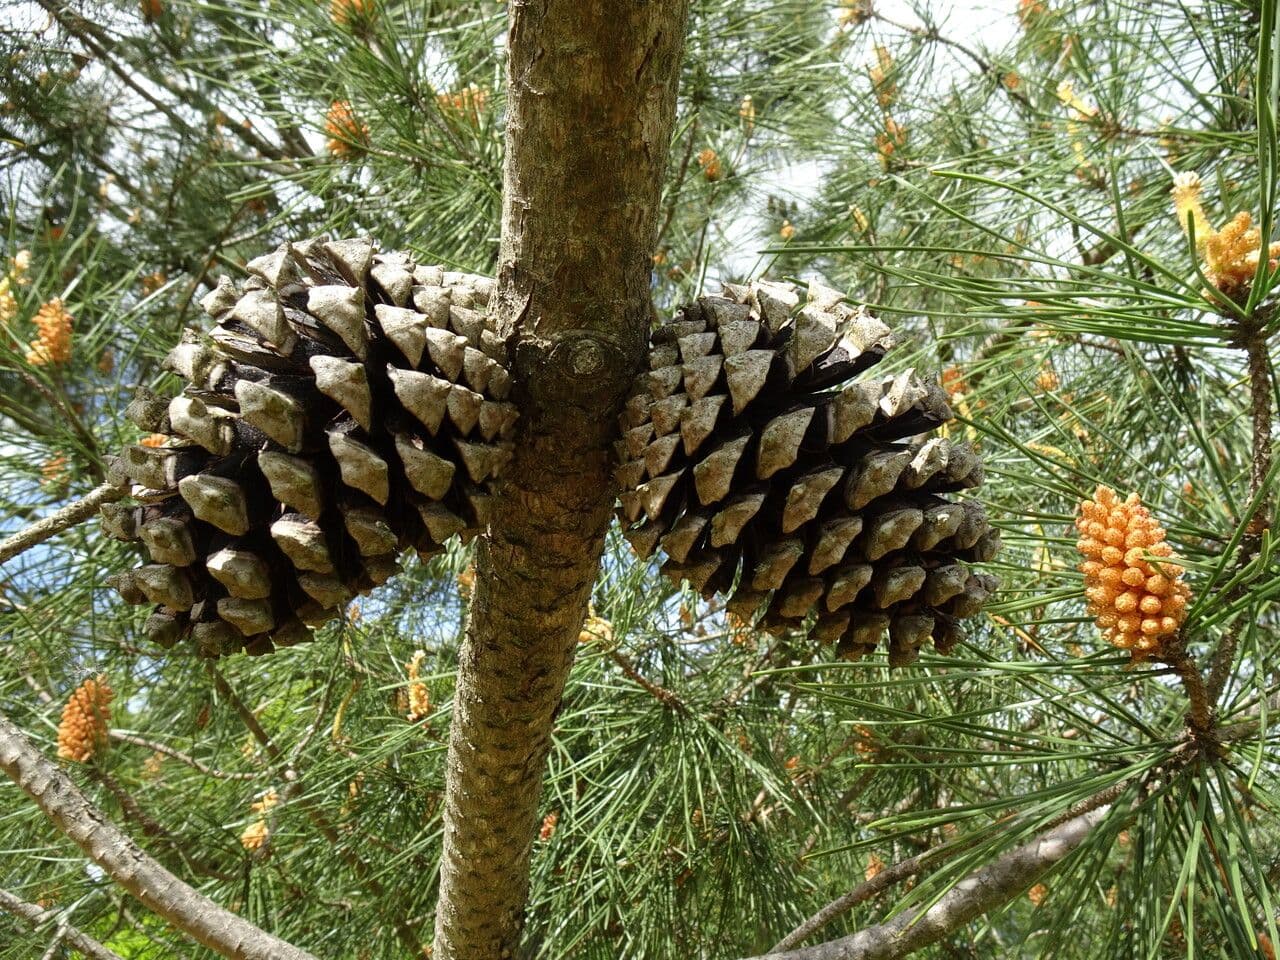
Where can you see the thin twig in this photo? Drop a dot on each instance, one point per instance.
(660, 693)
(1203, 697)
(121, 736)
(64, 518)
(931, 33)
(1201, 714)
(317, 720)
(1260, 413)
(1098, 345)
(335, 730)
(677, 184)
(850, 794)
(58, 401)
(887, 877)
(249, 719)
(55, 945)
(38, 916)
(750, 678)
(1250, 727)
(154, 830)
(98, 42)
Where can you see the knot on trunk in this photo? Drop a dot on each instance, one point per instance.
(580, 368)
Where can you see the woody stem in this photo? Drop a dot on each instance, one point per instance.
(1254, 342)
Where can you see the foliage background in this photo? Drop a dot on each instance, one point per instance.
(710, 787)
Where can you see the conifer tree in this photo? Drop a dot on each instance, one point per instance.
(665, 732)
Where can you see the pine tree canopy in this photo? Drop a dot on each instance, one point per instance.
(699, 480)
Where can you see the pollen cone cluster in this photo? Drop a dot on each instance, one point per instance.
(1231, 254)
(52, 345)
(762, 466)
(349, 405)
(85, 720)
(1134, 588)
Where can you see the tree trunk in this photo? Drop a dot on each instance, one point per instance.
(592, 91)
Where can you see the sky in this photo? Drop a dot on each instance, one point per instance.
(980, 26)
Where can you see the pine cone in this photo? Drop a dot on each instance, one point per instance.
(747, 448)
(348, 406)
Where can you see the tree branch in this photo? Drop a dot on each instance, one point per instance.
(886, 878)
(38, 917)
(128, 864)
(659, 693)
(980, 892)
(1200, 716)
(909, 868)
(1260, 392)
(98, 42)
(62, 519)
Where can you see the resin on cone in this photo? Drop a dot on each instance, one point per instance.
(761, 463)
(349, 405)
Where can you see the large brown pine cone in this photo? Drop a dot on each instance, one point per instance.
(762, 469)
(349, 405)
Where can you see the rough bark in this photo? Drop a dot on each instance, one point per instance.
(128, 864)
(591, 104)
(980, 892)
